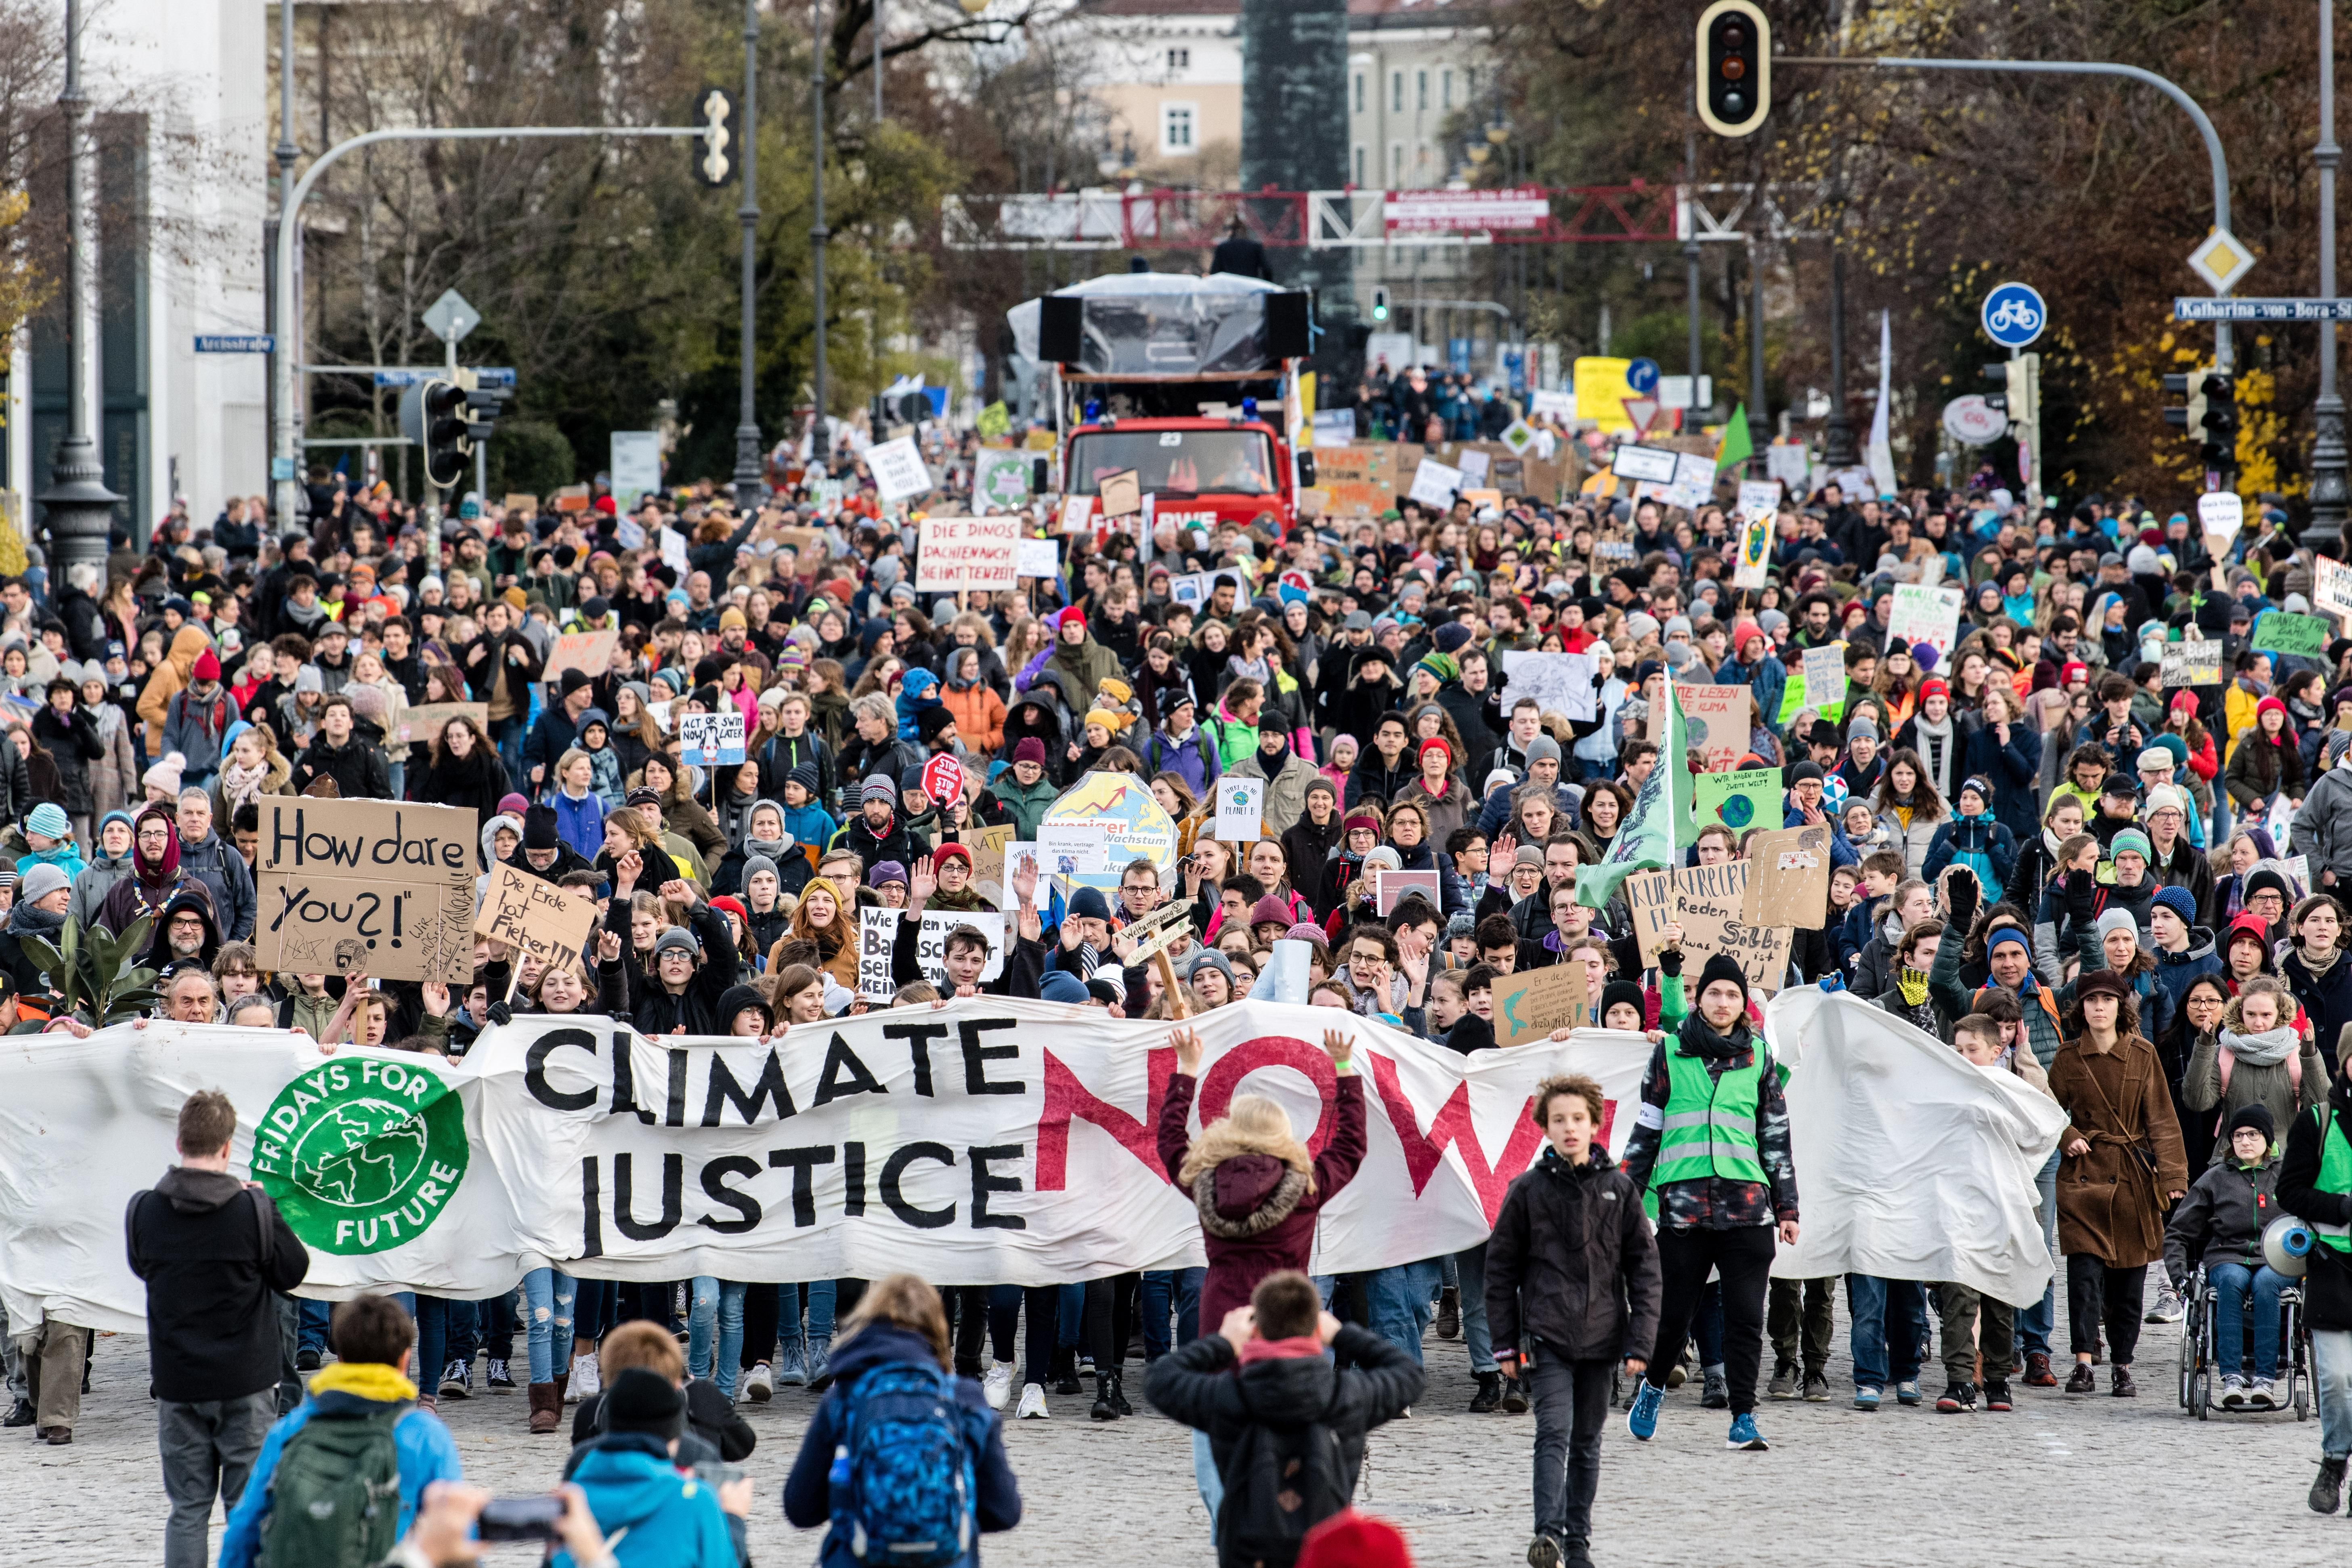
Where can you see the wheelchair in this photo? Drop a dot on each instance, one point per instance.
(2201, 1378)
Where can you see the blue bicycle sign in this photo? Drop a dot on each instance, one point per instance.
(2014, 315)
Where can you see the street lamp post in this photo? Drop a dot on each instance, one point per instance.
(1757, 432)
(1837, 445)
(78, 506)
(751, 469)
(2328, 452)
(817, 231)
(1690, 266)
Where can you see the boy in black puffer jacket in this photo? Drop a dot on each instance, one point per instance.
(1572, 1266)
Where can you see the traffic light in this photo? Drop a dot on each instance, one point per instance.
(2219, 424)
(2188, 416)
(715, 150)
(1735, 67)
(433, 416)
(483, 406)
(1381, 302)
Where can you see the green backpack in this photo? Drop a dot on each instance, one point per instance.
(334, 1498)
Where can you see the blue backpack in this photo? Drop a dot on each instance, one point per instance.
(902, 1478)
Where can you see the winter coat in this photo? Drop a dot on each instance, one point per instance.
(356, 766)
(1372, 776)
(1192, 759)
(2205, 1095)
(2323, 829)
(1982, 835)
(211, 1263)
(808, 1493)
(114, 774)
(214, 861)
(2175, 972)
(426, 1454)
(168, 678)
(1203, 1386)
(1572, 1266)
(979, 716)
(478, 781)
(2325, 999)
(1025, 804)
(2327, 1284)
(2187, 867)
(2221, 1219)
(2015, 771)
(90, 888)
(74, 744)
(1257, 1215)
(2111, 1197)
(2258, 770)
(660, 1518)
(198, 729)
(1912, 842)
(580, 823)
(1082, 669)
(1447, 812)
(1285, 790)
(1306, 847)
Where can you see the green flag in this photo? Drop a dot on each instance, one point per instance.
(1659, 826)
(1737, 447)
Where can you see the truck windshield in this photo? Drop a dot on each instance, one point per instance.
(1225, 462)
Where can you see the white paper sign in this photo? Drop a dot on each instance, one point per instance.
(1241, 809)
(1436, 483)
(931, 943)
(1655, 464)
(1824, 676)
(673, 552)
(877, 931)
(711, 740)
(1334, 427)
(1071, 849)
(2222, 516)
(636, 466)
(2298, 871)
(1559, 682)
(1754, 494)
(1037, 558)
(1931, 616)
(1474, 467)
(1077, 513)
(1786, 461)
(957, 554)
(2331, 585)
(1552, 406)
(897, 468)
(1693, 482)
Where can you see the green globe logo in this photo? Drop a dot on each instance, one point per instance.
(362, 1154)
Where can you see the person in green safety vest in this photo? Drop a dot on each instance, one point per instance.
(2315, 1184)
(1710, 1153)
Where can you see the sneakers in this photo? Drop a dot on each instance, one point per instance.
(1543, 1551)
(1817, 1388)
(1744, 1434)
(1957, 1399)
(1784, 1381)
(2082, 1379)
(307, 1359)
(499, 1381)
(1866, 1398)
(1716, 1393)
(759, 1386)
(457, 1381)
(1449, 1313)
(2037, 1369)
(586, 1381)
(790, 1366)
(1514, 1396)
(2234, 1391)
(1908, 1391)
(1996, 1395)
(1489, 1395)
(2328, 1486)
(1676, 1375)
(997, 1386)
(2168, 1307)
(816, 1350)
(1642, 1418)
(2120, 1383)
(1033, 1404)
(2264, 1393)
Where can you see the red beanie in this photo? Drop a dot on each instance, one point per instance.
(950, 852)
(1351, 1540)
(207, 666)
(1073, 616)
(1934, 686)
(2270, 705)
(1437, 742)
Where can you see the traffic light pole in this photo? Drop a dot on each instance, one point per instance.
(751, 468)
(284, 485)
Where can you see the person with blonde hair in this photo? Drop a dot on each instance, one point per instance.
(827, 918)
(894, 1359)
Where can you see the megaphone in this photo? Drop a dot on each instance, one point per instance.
(2286, 1242)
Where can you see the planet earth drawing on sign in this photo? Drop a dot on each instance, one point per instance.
(1694, 732)
(1738, 811)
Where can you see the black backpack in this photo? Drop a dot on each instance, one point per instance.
(1280, 1482)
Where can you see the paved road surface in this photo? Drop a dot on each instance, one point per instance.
(2063, 1480)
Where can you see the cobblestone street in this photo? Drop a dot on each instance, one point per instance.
(2062, 1481)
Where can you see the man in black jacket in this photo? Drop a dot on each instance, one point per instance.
(353, 762)
(1571, 1267)
(1289, 1385)
(694, 964)
(213, 1250)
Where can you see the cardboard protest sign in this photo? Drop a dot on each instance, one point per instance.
(381, 887)
(2331, 585)
(588, 652)
(1714, 724)
(1923, 615)
(1711, 901)
(1388, 887)
(955, 554)
(571, 498)
(808, 544)
(1755, 546)
(898, 468)
(988, 846)
(533, 915)
(424, 722)
(711, 740)
(877, 931)
(1748, 799)
(1241, 809)
(1789, 876)
(1120, 495)
(1529, 1006)
(2200, 663)
(2278, 631)
(1824, 676)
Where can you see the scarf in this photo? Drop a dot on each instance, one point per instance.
(1699, 1039)
(1913, 983)
(2267, 1049)
(1935, 747)
(2319, 966)
(24, 920)
(241, 785)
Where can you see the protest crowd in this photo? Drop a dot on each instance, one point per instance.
(2081, 821)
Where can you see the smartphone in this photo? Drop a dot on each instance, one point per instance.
(715, 1476)
(522, 1517)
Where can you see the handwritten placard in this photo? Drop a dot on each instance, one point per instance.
(380, 887)
(959, 554)
(1530, 1006)
(534, 916)
(589, 652)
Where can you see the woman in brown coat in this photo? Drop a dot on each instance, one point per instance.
(2123, 1166)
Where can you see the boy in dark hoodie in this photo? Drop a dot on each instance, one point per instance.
(1571, 1267)
(875, 833)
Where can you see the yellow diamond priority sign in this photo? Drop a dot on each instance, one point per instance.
(2221, 260)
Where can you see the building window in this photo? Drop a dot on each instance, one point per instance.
(1396, 92)
(1180, 59)
(1421, 160)
(1359, 92)
(1421, 89)
(1445, 87)
(1396, 165)
(1176, 128)
(1359, 167)
(1469, 82)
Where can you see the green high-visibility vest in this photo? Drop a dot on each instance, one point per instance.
(1710, 1125)
(2334, 1176)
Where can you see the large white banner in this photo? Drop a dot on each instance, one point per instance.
(986, 1141)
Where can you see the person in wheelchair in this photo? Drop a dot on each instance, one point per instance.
(2220, 1223)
